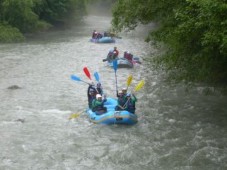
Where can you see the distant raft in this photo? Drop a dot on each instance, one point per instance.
(103, 40)
(112, 116)
(124, 63)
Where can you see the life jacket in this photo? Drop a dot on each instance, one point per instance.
(116, 52)
(121, 101)
(97, 105)
(90, 87)
(99, 35)
(90, 97)
(90, 100)
(110, 54)
(131, 106)
(128, 56)
(94, 35)
(100, 91)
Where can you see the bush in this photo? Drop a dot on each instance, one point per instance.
(10, 34)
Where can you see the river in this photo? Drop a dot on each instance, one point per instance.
(179, 128)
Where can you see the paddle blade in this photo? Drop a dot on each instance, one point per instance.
(74, 115)
(96, 74)
(115, 65)
(139, 85)
(86, 71)
(129, 80)
(73, 77)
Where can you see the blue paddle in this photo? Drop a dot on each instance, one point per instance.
(115, 70)
(115, 65)
(96, 74)
(73, 77)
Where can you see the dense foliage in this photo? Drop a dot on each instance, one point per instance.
(10, 34)
(104, 2)
(28, 16)
(194, 32)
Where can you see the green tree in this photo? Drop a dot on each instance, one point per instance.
(194, 32)
(29, 16)
(59, 12)
(19, 14)
(10, 34)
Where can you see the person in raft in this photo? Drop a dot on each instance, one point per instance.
(115, 53)
(128, 56)
(131, 103)
(120, 101)
(98, 105)
(99, 89)
(91, 93)
(94, 34)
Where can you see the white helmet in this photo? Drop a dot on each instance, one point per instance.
(124, 89)
(98, 96)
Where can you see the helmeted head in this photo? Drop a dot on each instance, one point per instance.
(91, 91)
(124, 90)
(115, 48)
(98, 85)
(98, 97)
(120, 93)
(128, 95)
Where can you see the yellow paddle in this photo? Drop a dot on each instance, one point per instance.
(139, 85)
(137, 88)
(74, 115)
(129, 80)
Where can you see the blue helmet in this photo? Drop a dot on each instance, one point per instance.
(128, 94)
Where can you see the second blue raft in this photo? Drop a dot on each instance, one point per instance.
(103, 40)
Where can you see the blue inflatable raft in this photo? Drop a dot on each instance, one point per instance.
(122, 63)
(112, 116)
(103, 40)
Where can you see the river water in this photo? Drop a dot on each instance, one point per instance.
(178, 128)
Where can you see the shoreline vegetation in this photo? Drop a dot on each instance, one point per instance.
(18, 18)
(192, 33)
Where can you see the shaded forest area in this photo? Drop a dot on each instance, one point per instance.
(18, 17)
(194, 33)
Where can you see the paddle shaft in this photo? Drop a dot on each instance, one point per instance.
(115, 71)
(75, 78)
(85, 82)
(116, 82)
